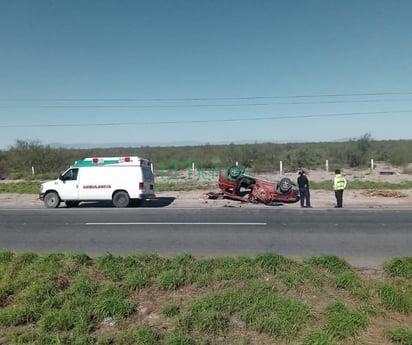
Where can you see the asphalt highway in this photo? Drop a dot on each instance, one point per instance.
(364, 237)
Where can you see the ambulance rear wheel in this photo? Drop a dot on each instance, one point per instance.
(52, 200)
(121, 199)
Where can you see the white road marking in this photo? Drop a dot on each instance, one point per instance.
(176, 223)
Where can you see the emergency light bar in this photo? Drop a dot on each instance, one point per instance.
(97, 161)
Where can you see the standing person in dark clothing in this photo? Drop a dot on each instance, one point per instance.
(303, 184)
(339, 185)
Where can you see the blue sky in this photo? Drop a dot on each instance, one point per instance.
(174, 72)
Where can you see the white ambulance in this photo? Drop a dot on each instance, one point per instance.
(123, 180)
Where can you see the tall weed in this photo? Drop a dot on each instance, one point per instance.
(401, 336)
(396, 296)
(331, 263)
(399, 267)
(342, 322)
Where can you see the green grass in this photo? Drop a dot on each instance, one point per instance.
(184, 186)
(343, 322)
(142, 335)
(33, 187)
(148, 299)
(396, 296)
(170, 310)
(401, 267)
(355, 184)
(330, 263)
(318, 337)
(402, 336)
(27, 187)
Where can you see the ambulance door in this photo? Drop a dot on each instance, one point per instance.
(148, 180)
(69, 184)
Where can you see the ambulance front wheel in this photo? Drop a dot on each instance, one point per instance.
(51, 200)
(121, 199)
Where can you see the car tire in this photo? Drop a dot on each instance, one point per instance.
(285, 185)
(52, 200)
(121, 199)
(234, 173)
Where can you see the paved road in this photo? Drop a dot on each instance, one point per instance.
(363, 236)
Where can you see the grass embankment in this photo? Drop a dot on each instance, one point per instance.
(148, 299)
(327, 185)
(26, 187)
(32, 187)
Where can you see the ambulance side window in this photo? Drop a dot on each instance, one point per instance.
(70, 175)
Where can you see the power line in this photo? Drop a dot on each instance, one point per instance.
(194, 105)
(132, 99)
(277, 117)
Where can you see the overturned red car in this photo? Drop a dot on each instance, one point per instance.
(235, 184)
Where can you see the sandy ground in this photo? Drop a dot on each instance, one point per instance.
(320, 199)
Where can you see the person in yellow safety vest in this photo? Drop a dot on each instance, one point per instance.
(339, 185)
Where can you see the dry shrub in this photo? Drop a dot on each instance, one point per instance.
(384, 193)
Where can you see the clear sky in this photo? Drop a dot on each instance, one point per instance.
(150, 72)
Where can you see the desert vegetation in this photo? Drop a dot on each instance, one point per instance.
(31, 159)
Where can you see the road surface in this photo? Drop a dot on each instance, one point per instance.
(362, 236)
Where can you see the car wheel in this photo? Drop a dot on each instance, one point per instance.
(121, 199)
(235, 172)
(285, 185)
(52, 200)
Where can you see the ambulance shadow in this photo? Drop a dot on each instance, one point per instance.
(99, 204)
(152, 203)
(158, 202)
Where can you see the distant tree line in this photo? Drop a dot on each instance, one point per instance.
(27, 157)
